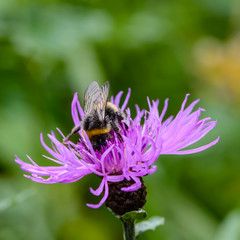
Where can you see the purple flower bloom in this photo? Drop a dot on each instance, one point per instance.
(130, 159)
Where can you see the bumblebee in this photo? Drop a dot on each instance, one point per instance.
(100, 116)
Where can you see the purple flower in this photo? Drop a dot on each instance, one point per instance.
(130, 159)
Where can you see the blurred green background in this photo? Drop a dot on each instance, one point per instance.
(50, 49)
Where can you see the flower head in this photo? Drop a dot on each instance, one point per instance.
(127, 160)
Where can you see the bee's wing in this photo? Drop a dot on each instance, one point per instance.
(104, 93)
(91, 95)
(101, 105)
(96, 98)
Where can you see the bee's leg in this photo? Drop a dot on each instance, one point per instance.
(125, 126)
(74, 131)
(120, 137)
(120, 118)
(116, 130)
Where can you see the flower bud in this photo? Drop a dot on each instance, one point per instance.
(121, 202)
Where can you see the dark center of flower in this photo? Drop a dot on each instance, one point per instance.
(121, 202)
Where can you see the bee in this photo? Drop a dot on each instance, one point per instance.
(100, 116)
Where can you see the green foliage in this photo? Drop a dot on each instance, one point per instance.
(149, 224)
(134, 216)
(134, 229)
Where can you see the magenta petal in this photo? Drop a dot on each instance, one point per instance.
(164, 110)
(195, 150)
(115, 178)
(103, 199)
(133, 187)
(76, 111)
(117, 99)
(99, 190)
(126, 100)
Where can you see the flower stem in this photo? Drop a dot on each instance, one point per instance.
(128, 230)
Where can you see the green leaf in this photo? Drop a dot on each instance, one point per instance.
(149, 224)
(134, 216)
(230, 227)
(19, 198)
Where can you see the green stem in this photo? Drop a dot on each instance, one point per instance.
(129, 230)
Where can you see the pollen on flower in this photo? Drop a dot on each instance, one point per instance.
(122, 164)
